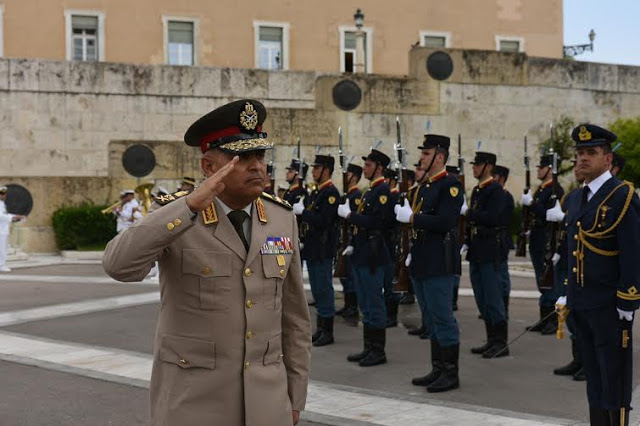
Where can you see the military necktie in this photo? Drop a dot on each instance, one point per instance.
(237, 218)
(585, 196)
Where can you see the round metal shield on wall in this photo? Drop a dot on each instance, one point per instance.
(439, 65)
(347, 95)
(19, 200)
(138, 160)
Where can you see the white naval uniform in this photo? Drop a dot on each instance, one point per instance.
(126, 214)
(5, 222)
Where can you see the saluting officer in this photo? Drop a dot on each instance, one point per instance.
(350, 310)
(483, 228)
(539, 203)
(435, 258)
(603, 275)
(233, 340)
(500, 175)
(370, 257)
(320, 245)
(296, 188)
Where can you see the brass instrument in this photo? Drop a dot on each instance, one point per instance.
(144, 192)
(111, 208)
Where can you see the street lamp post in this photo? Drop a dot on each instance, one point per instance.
(359, 65)
(577, 49)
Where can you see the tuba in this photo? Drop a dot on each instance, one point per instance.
(144, 192)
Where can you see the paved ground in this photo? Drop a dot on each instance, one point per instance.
(75, 349)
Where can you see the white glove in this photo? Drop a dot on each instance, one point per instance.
(527, 198)
(555, 214)
(626, 315)
(555, 258)
(348, 251)
(344, 210)
(407, 261)
(403, 214)
(561, 303)
(301, 245)
(463, 250)
(465, 207)
(298, 207)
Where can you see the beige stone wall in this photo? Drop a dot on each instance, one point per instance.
(134, 29)
(65, 125)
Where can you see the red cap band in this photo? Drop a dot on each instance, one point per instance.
(213, 136)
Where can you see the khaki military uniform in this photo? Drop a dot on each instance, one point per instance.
(233, 341)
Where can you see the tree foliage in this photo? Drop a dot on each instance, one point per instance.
(628, 132)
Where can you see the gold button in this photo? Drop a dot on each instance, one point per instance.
(282, 272)
(183, 361)
(574, 270)
(249, 304)
(249, 335)
(206, 270)
(170, 226)
(575, 237)
(247, 365)
(578, 224)
(177, 222)
(247, 272)
(575, 253)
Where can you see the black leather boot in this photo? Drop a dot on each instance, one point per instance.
(366, 338)
(479, 350)
(551, 324)
(376, 355)
(436, 367)
(599, 417)
(448, 378)
(538, 326)
(392, 312)
(574, 366)
(326, 334)
(499, 347)
(315, 335)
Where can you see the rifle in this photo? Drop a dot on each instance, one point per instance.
(300, 166)
(546, 283)
(340, 270)
(401, 272)
(461, 219)
(525, 224)
(271, 171)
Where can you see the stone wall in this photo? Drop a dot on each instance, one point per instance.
(65, 125)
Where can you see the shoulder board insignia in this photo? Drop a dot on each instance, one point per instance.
(209, 215)
(277, 200)
(262, 214)
(453, 191)
(383, 199)
(166, 199)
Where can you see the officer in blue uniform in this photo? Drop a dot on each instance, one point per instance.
(370, 257)
(296, 188)
(321, 239)
(350, 310)
(500, 175)
(435, 259)
(539, 203)
(392, 239)
(482, 240)
(603, 274)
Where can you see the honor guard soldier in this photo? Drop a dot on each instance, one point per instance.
(500, 175)
(321, 240)
(435, 259)
(454, 171)
(603, 274)
(617, 164)
(233, 341)
(296, 182)
(483, 229)
(370, 257)
(392, 239)
(539, 203)
(350, 310)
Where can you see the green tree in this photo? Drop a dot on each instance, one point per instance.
(562, 143)
(628, 132)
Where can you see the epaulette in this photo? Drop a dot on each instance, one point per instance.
(166, 199)
(276, 200)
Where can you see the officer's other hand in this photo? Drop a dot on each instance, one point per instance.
(298, 207)
(296, 416)
(555, 258)
(465, 207)
(463, 250)
(348, 251)
(210, 188)
(555, 214)
(527, 198)
(404, 212)
(625, 315)
(561, 303)
(407, 261)
(344, 210)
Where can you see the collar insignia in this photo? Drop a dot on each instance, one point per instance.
(209, 215)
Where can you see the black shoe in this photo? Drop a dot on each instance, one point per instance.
(366, 338)
(448, 378)
(551, 324)
(436, 367)
(392, 312)
(376, 356)
(499, 347)
(580, 376)
(407, 299)
(479, 350)
(416, 331)
(574, 366)
(540, 324)
(425, 335)
(326, 334)
(315, 335)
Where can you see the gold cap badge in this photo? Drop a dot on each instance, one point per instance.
(584, 134)
(249, 117)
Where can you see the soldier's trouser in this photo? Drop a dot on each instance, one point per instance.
(348, 286)
(547, 297)
(487, 291)
(369, 287)
(600, 344)
(456, 288)
(4, 248)
(389, 272)
(422, 303)
(505, 279)
(438, 292)
(321, 280)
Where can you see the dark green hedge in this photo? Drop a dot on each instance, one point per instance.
(83, 227)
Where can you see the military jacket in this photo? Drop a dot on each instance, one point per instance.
(392, 229)
(603, 242)
(484, 222)
(506, 216)
(369, 222)
(320, 225)
(436, 207)
(294, 193)
(354, 195)
(543, 200)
